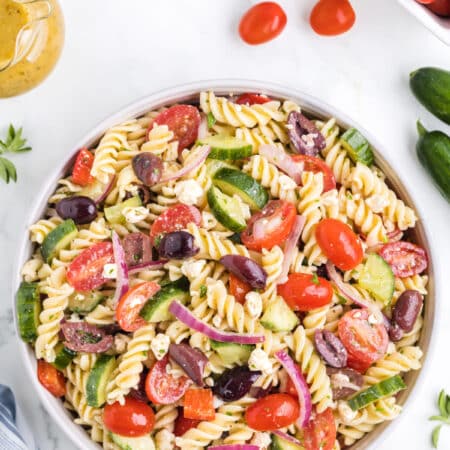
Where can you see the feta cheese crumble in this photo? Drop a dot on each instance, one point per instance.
(259, 360)
(135, 214)
(160, 345)
(192, 268)
(345, 412)
(110, 271)
(261, 440)
(253, 304)
(189, 192)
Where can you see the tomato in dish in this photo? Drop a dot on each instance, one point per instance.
(252, 99)
(51, 378)
(238, 288)
(315, 164)
(81, 172)
(406, 259)
(183, 425)
(440, 7)
(320, 433)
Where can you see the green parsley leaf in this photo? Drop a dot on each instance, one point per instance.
(435, 436)
(211, 120)
(349, 196)
(315, 279)
(341, 300)
(14, 142)
(203, 290)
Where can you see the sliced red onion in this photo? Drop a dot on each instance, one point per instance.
(122, 282)
(153, 265)
(203, 127)
(290, 246)
(235, 447)
(98, 191)
(184, 315)
(287, 437)
(276, 155)
(304, 396)
(203, 153)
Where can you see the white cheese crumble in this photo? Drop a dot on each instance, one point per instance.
(345, 412)
(209, 381)
(377, 203)
(165, 440)
(110, 271)
(261, 440)
(253, 304)
(391, 348)
(192, 268)
(160, 345)
(120, 342)
(308, 139)
(175, 370)
(189, 192)
(286, 183)
(259, 360)
(135, 214)
(372, 319)
(217, 402)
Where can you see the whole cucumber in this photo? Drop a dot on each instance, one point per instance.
(433, 150)
(431, 86)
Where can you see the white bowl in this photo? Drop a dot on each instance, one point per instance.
(188, 93)
(440, 26)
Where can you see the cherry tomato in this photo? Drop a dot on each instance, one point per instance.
(81, 173)
(183, 121)
(238, 288)
(304, 292)
(133, 419)
(440, 7)
(262, 23)
(320, 433)
(182, 425)
(406, 259)
(272, 412)
(269, 227)
(173, 219)
(332, 17)
(366, 343)
(51, 378)
(339, 243)
(425, 2)
(163, 388)
(130, 305)
(252, 99)
(314, 164)
(85, 272)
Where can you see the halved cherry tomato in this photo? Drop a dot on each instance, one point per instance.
(183, 121)
(252, 99)
(366, 343)
(85, 272)
(262, 23)
(51, 378)
(173, 219)
(304, 292)
(182, 425)
(238, 288)
(163, 388)
(133, 419)
(272, 412)
(440, 7)
(332, 17)
(198, 404)
(339, 243)
(314, 164)
(425, 2)
(81, 173)
(320, 433)
(274, 223)
(130, 305)
(406, 259)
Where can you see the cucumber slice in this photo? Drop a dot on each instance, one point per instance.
(377, 277)
(58, 238)
(63, 356)
(279, 443)
(28, 310)
(157, 308)
(226, 210)
(384, 388)
(231, 353)
(227, 147)
(233, 181)
(213, 165)
(133, 443)
(279, 317)
(114, 214)
(85, 302)
(357, 146)
(98, 379)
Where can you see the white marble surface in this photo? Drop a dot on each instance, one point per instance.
(117, 51)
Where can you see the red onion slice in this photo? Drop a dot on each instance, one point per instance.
(153, 265)
(184, 315)
(283, 161)
(287, 437)
(122, 282)
(98, 191)
(304, 396)
(235, 447)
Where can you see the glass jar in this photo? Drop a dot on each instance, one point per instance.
(31, 39)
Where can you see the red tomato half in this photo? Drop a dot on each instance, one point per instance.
(274, 223)
(81, 173)
(252, 99)
(51, 378)
(332, 17)
(130, 305)
(405, 259)
(162, 388)
(303, 292)
(85, 272)
(262, 23)
(272, 412)
(365, 343)
(339, 243)
(133, 419)
(238, 288)
(320, 433)
(314, 164)
(440, 7)
(182, 425)
(425, 2)
(183, 121)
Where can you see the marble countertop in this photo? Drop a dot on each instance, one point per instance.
(118, 51)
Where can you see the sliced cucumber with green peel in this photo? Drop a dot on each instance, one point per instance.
(279, 317)
(98, 379)
(114, 214)
(226, 210)
(357, 146)
(385, 388)
(227, 147)
(133, 443)
(28, 310)
(377, 277)
(84, 302)
(278, 443)
(231, 353)
(63, 356)
(213, 165)
(233, 182)
(58, 239)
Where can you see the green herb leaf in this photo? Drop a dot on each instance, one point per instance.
(435, 436)
(442, 403)
(7, 170)
(14, 142)
(315, 279)
(203, 290)
(438, 418)
(341, 300)
(211, 120)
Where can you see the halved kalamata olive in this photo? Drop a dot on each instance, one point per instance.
(139, 392)
(246, 270)
(139, 189)
(191, 360)
(407, 309)
(330, 347)
(148, 168)
(177, 245)
(234, 383)
(304, 135)
(78, 208)
(138, 248)
(344, 382)
(395, 332)
(85, 337)
(323, 272)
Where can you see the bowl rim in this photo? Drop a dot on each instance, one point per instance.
(185, 92)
